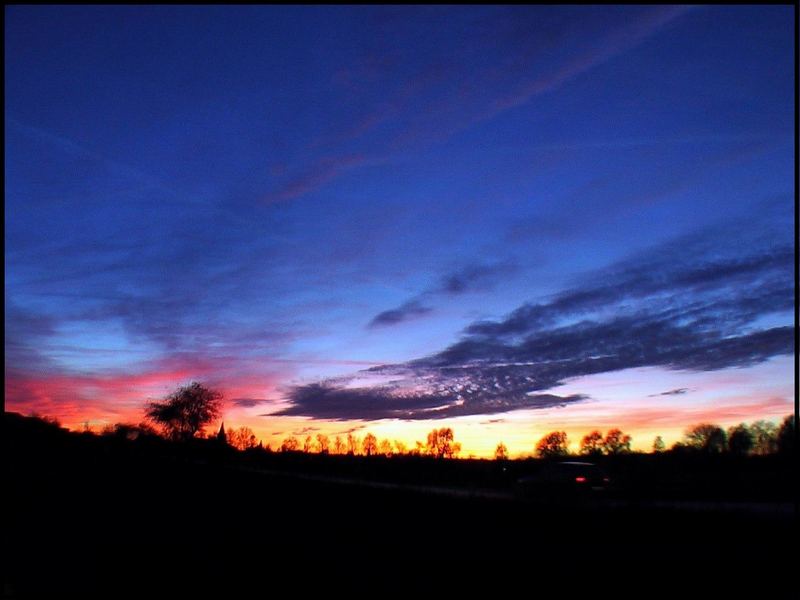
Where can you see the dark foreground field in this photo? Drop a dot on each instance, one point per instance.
(85, 516)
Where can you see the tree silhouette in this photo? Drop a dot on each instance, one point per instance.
(370, 445)
(353, 444)
(786, 435)
(129, 431)
(290, 444)
(400, 446)
(617, 442)
(185, 411)
(385, 447)
(308, 445)
(658, 444)
(592, 444)
(553, 444)
(501, 452)
(441, 443)
(706, 437)
(323, 444)
(765, 437)
(740, 439)
(338, 445)
(242, 438)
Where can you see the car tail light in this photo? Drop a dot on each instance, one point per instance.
(580, 479)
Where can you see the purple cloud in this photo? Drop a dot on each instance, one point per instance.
(691, 304)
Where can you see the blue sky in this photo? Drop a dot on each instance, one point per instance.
(266, 198)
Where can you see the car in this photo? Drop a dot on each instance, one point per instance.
(562, 480)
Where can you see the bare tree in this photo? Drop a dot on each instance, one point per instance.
(338, 445)
(617, 442)
(400, 446)
(765, 437)
(592, 444)
(706, 437)
(658, 444)
(553, 444)
(370, 444)
(385, 447)
(290, 444)
(186, 411)
(242, 438)
(441, 443)
(323, 444)
(353, 444)
(501, 452)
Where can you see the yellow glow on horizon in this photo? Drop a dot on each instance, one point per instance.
(629, 400)
(521, 430)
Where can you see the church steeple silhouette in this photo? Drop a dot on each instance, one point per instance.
(221, 437)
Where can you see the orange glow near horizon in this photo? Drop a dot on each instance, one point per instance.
(623, 399)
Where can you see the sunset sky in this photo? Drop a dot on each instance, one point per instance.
(505, 220)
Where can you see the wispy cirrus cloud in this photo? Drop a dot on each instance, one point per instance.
(609, 45)
(316, 176)
(71, 147)
(417, 95)
(693, 304)
(469, 278)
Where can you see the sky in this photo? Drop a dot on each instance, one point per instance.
(507, 220)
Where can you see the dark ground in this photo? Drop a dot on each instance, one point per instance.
(88, 516)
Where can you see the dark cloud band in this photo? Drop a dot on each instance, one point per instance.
(692, 305)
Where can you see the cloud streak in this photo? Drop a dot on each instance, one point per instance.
(675, 392)
(434, 97)
(616, 42)
(71, 147)
(405, 312)
(316, 176)
(469, 278)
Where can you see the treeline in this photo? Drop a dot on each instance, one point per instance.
(184, 413)
(439, 443)
(758, 438)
